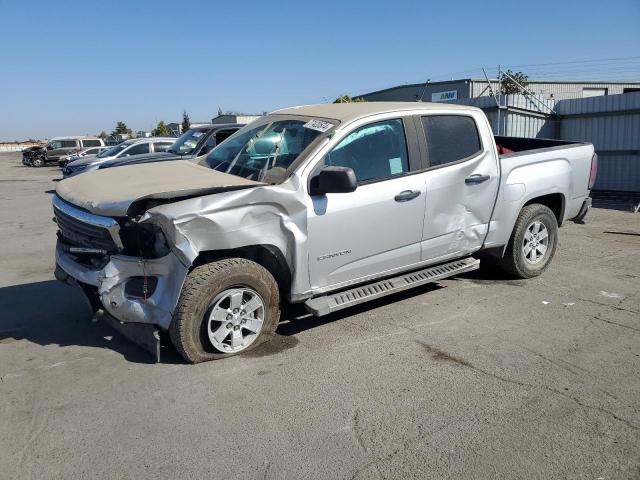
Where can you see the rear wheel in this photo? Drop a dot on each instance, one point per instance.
(533, 242)
(226, 307)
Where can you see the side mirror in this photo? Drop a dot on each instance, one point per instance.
(333, 180)
(49, 147)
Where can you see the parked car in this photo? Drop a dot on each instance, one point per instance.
(56, 148)
(326, 205)
(82, 153)
(126, 149)
(191, 144)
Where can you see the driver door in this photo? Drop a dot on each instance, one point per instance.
(377, 228)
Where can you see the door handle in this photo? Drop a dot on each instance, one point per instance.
(407, 195)
(476, 179)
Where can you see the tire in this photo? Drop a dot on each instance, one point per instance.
(516, 260)
(207, 293)
(37, 162)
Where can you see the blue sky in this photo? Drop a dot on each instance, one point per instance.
(78, 67)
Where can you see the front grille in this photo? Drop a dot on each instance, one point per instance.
(80, 234)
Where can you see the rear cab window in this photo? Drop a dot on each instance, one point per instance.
(450, 138)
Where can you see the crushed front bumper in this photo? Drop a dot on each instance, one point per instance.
(110, 281)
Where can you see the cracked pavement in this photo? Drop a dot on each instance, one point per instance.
(473, 377)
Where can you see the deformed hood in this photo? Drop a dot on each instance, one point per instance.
(112, 191)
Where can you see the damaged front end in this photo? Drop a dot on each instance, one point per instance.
(125, 268)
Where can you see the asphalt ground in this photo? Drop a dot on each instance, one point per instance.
(473, 377)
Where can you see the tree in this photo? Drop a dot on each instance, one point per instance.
(348, 99)
(513, 82)
(103, 135)
(186, 123)
(219, 111)
(161, 130)
(121, 129)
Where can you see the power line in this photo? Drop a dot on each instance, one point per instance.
(572, 62)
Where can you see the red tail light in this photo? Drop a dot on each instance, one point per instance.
(594, 170)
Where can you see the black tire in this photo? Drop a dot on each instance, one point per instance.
(514, 261)
(188, 329)
(38, 162)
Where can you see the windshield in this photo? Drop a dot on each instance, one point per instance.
(109, 152)
(264, 153)
(187, 142)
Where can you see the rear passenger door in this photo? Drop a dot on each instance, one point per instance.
(462, 179)
(377, 228)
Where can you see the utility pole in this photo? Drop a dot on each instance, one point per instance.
(499, 99)
(492, 93)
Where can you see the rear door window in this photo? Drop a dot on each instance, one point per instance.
(69, 144)
(450, 138)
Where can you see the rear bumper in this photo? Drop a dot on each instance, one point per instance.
(110, 281)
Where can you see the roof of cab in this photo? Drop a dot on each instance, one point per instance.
(345, 112)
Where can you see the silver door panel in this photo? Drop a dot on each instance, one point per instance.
(365, 232)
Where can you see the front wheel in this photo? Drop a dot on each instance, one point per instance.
(533, 242)
(226, 307)
(37, 162)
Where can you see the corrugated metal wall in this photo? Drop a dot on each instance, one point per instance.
(611, 123)
(412, 93)
(519, 116)
(559, 90)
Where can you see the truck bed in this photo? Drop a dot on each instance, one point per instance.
(519, 145)
(531, 167)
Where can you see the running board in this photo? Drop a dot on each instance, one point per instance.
(347, 298)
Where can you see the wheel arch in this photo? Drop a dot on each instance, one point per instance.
(556, 202)
(266, 255)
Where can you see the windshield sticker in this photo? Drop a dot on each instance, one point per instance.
(197, 134)
(318, 125)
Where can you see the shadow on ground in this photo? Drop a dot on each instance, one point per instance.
(622, 201)
(296, 319)
(52, 313)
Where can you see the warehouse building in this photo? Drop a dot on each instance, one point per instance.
(235, 118)
(472, 88)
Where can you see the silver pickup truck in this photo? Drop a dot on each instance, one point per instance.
(326, 205)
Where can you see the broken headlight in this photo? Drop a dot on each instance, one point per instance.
(144, 240)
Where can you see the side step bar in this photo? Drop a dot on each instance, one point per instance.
(347, 298)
